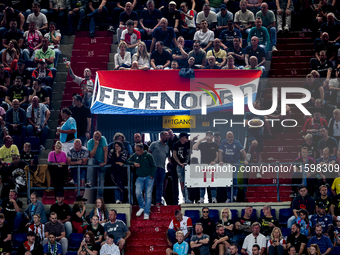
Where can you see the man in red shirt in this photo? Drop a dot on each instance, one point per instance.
(182, 223)
(313, 125)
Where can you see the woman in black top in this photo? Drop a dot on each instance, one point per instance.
(79, 222)
(227, 222)
(89, 245)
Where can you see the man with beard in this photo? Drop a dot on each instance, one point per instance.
(12, 209)
(297, 240)
(137, 138)
(323, 43)
(322, 65)
(8, 150)
(160, 151)
(325, 220)
(218, 241)
(324, 243)
(31, 245)
(199, 243)
(16, 173)
(18, 91)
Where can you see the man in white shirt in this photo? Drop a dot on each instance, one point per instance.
(109, 247)
(209, 16)
(204, 36)
(38, 18)
(254, 238)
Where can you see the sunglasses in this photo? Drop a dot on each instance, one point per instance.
(205, 211)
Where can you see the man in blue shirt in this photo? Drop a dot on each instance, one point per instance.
(255, 50)
(165, 34)
(325, 220)
(230, 150)
(324, 243)
(227, 35)
(97, 147)
(237, 52)
(223, 17)
(149, 20)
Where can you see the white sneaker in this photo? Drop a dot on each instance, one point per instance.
(214, 200)
(139, 213)
(146, 216)
(228, 200)
(274, 48)
(258, 176)
(201, 201)
(286, 29)
(248, 157)
(111, 29)
(118, 201)
(279, 30)
(235, 198)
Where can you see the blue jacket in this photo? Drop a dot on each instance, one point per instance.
(22, 117)
(39, 208)
(307, 203)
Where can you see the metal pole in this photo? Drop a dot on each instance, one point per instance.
(129, 184)
(78, 177)
(277, 185)
(28, 185)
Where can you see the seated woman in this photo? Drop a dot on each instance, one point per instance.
(227, 222)
(101, 211)
(79, 222)
(142, 57)
(11, 56)
(54, 38)
(191, 63)
(123, 58)
(276, 244)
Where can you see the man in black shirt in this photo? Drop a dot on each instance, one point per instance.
(82, 115)
(323, 199)
(219, 240)
(22, 72)
(323, 66)
(315, 88)
(63, 212)
(9, 15)
(297, 240)
(207, 223)
(12, 34)
(173, 16)
(267, 221)
(16, 174)
(243, 226)
(5, 235)
(18, 91)
(40, 92)
(12, 209)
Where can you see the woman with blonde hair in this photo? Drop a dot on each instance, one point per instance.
(277, 244)
(142, 57)
(101, 211)
(314, 249)
(123, 58)
(11, 56)
(227, 222)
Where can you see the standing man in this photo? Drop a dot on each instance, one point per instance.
(97, 147)
(160, 151)
(83, 117)
(146, 171)
(63, 212)
(68, 131)
(137, 138)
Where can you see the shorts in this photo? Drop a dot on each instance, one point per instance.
(82, 174)
(180, 173)
(116, 242)
(259, 139)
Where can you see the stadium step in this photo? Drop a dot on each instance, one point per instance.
(294, 52)
(290, 65)
(295, 34)
(293, 40)
(290, 71)
(296, 46)
(289, 59)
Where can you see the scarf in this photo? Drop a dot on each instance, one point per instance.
(100, 215)
(54, 251)
(36, 120)
(38, 229)
(28, 247)
(33, 39)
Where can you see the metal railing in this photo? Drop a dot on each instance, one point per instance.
(78, 188)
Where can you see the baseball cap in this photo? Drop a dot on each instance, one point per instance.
(42, 61)
(172, 2)
(322, 206)
(223, 6)
(111, 236)
(80, 198)
(337, 218)
(230, 21)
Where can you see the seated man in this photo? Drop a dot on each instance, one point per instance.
(188, 26)
(40, 92)
(323, 66)
(33, 42)
(253, 64)
(38, 18)
(228, 35)
(331, 27)
(31, 246)
(22, 72)
(204, 36)
(164, 34)
(12, 209)
(37, 116)
(17, 177)
(261, 33)
(268, 21)
(173, 16)
(76, 12)
(179, 222)
(199, 55)
(56, 228)
(180, 53)
(255, 238)
(98, 10)
(63, 212)
(219, 240)
(52, 245)
(255, 50)
(212, 63)
(327, 142)
(199, 243)
(160, 58)
(18, 91)
(12, 34)
(149, 20)
(219, 54)
(8, 150)
(230, 63)
(244, 19)
(323, 242)
(223, 17)
(314, 124)
(45, 53)
(45, 75)
(131, 36)
(325, 220)
(324, 44)
(237, 52)
(315, 88)
(209, 16)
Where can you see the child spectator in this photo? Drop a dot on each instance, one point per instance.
(37, 227)
(181, 247)
(27, 155)
(337, 232)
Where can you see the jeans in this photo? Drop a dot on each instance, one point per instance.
(213, 192)
(272, 32)
(82, 173)
(68, 228)
(93, 17)
(17, 221)
(291, 221)
(160, 175)
(147, 184)
(22, 130)
(100, 175)
(70, 18)
(43, 134)
(172, 236)
(276, 250)
(238, 239)
(27, 55)
(57, 54)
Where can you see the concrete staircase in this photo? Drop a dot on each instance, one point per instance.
(66, 47)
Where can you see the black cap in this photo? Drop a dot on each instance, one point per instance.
(223, 6)
(78, 97)
(111, 236)
(80, 198)
(60, 194)
(183, 134)
(322, 206)
(20, 62)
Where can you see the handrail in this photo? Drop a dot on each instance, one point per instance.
(78, 188)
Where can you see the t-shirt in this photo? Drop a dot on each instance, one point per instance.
(222, 21)
(330, 48)
(16, 171)
(39, 20)
(159, 152)
(27, 157)
(42, 94)
(181, 225)
(100, 149)
(336, 185)
(150, 20)
(262, 34)
(204, 38)
(160, 59)
(332, 31)
(324, 243)
(249, 241)
(322, 68)
(99, 231)
(198, 58)
(268, 19)
(297, 241)
(311, 148)
(182, 151)
(171, 17)
(238, 62)
(77, 155)
(74, 215)
(68, 125)
(265, 229)
(57, 228)
(181, 249)
(258, 52)
(244, 18)
(304, 226)
(9, 35)
(40, 54)
(227, 37)
(327, 202)
(182, 62)
(8, 209)
(95, 3)
(212, 18)
(208, 152)
(219, 56)
(82, 82)
(314, 89)
(253, 131)
(57, 158)
(118, 229)
(130, 39)
(4, 231)
(245, 222)
(123, 17)
(186, 22)
(26, 75)
(165, 36)
(204, 248)
(14, 93)
(209, 226)
(62, 211)
(7, 153)
(324, 220)
(227, 223)
(329, 143)
(59, 249)
(80, 114)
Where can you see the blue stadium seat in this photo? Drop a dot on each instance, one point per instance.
(71, 253)
(35, 143)
(75, 240)
(17, 141)
(214, 215)
(253, 216)
(18, 240)
(189, 44)
(234, 214)
(285, 214)
(121, 216)
(193, 214)
(336, 250)
(272, 211)
(285, 231)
